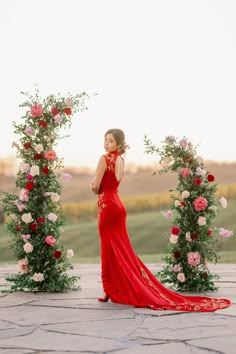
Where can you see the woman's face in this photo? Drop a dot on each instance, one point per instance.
(110, 143)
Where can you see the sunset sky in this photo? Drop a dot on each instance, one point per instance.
(159, 68)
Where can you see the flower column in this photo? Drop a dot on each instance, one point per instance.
(195, 206)
(36, 216)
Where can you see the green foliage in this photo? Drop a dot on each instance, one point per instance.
(195, 206)
(35, 215)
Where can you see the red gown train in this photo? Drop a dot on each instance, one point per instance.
(126, 280)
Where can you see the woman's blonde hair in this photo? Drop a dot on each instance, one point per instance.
(119, 137)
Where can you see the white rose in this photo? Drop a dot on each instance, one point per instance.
(185, 194)
(173, 239)
(28, 248)
(34, 170)
(69, 253)
(177, 203)
(188, 236)
(39, 148)
(223, 202)
(200, 172)
(201, 221)
(55, 197)
(213, 208)
(38, 277)
(27, 218)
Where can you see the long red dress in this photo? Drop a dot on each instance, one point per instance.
(126, 280)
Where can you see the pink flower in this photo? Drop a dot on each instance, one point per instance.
(188, 236)
(200, 172)
(24, 195)
(225, 233)
(20, 206)
(170, 139)
(185, 172)
(50, 240)
(194, 258)
(52, 217)
(29, 131)
(200, 203)
(23, 265)
(50, 155)
(201, 221)
(66, 177)
(58, 118)
(183, 143)
(69, 102)
(181, 277)
(168, 214)
(36, 110)
(25, 237)
(173, 239)
(37, 277)
(185, 194)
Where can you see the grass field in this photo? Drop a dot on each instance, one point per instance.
(148, 234)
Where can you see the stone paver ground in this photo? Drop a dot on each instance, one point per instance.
(75, 322)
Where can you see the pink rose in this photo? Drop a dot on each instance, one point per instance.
(24, 167)
(69, 102)
(225, 233)
(50, 240)
(36, 110)
(201, 221)
(52, 217)
(181, 277)
(24, 195)
(29, 131)
(66, 177)
(50, 155)
(23, 265)
(20, 206)
(168, 214)
(194, 258)
(185, 172)
(183, 143)
(25, 237)
(58, 118)
(200, 203)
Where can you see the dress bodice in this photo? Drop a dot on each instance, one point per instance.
(109, 183)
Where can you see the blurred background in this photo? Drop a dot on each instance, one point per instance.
(158, 68)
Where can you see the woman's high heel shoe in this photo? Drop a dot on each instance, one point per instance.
(103, 299)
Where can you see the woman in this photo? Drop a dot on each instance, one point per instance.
(126, 280)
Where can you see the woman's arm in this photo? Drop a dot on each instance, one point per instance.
(100, 170)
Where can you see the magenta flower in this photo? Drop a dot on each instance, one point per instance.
(225, 233)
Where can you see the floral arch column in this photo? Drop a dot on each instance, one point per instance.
(35, 213)
(195, 206)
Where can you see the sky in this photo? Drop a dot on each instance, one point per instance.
(158, 67)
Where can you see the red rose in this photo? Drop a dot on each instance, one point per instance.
(54, 111)
(40, 220)
(67, 111)
(18, 227)
(210, 178)
(209, 232)
(204, 275)
(175, 230)
(43, 124)
(57, 254)
(33, 227)
(29, 186)
(197, 181)
(45, 170)
(29, 177)
(38, 156)
(194, 236)
(182, 204)
(27, 145)
(176, 254)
